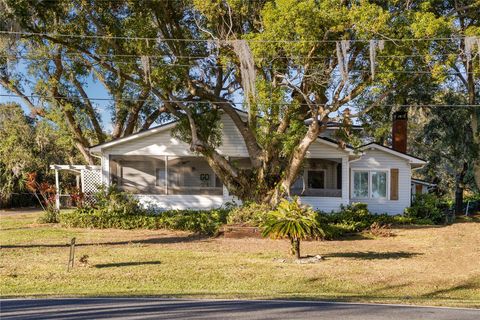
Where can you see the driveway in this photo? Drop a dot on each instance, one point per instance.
(157, 308)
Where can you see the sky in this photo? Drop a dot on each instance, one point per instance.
(93, 88)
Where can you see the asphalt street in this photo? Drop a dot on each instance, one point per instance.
(159, 308)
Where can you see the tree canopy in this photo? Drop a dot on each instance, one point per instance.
(283, 61)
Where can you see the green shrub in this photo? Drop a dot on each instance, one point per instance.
(356, 217)
(121, 210)
(115, 201)
(50, 215)
(198, 221)
(426, 208)
(293, 221)
(250, 214)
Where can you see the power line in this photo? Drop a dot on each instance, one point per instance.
(377, 71)
(52, 35)
(241, 103)
(166, 56)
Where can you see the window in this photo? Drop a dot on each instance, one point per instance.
(369, 184)
(360, 184)
(379, 184)
(316, 179)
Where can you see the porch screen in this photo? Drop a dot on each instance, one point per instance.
(192, 175)
(137, 174)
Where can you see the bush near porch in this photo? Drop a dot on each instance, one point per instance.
(120, 210)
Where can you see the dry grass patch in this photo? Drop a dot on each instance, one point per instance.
(421, 265)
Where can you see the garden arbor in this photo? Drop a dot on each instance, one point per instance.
(89, 178)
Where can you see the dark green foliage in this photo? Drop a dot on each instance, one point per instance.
(121, 210)
(250, 214)
(426, 209)
(50, 216)
(356, 218)
(198, 221)
(112, 201)
(208, 122)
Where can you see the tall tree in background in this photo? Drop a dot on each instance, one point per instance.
(195, 59)
(463, 21)
(451, 133)
(444, 137)
(26, 146)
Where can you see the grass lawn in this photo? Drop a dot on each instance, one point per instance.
(420, 265)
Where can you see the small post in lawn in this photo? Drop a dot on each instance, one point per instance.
(71, 258)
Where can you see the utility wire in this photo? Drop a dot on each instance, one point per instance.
(166, 56)
(52, 35)
(292, 69)
(241, 103)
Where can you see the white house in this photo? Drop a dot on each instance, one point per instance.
(163, 173)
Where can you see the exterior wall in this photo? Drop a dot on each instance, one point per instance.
(325, 204)
(414, 189)
(180, 202)
(378, 160)
(199, 202)
(163, 144)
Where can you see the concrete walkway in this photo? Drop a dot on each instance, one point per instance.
(157, 308)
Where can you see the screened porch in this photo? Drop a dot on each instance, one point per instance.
(174, 175)
(164, 175)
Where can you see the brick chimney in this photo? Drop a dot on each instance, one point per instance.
(399, 131)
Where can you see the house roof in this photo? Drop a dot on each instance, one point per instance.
(414, 161)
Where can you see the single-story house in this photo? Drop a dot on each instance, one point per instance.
(163, 173)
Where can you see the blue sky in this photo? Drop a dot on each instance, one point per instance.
(93, 88)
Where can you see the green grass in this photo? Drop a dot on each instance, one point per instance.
(420, 265)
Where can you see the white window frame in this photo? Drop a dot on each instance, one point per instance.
(370, 170)
(324, 178)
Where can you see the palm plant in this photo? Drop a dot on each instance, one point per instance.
(292, 221)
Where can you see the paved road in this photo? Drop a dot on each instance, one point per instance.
(156, 308)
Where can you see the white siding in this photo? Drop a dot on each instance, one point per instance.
(105, 169)
(180, 202)
(375, 159)
(325, 204)
(162, 143)
(199, 202)
(324, 150)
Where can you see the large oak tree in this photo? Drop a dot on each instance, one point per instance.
(285, 62)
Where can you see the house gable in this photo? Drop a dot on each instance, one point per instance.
(415, 162)
(159, 141)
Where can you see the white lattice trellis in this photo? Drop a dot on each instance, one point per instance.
(91, 181)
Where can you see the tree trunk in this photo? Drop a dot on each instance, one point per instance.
(458, 199)
(459, 190)
(296, 247)
(475, 121)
